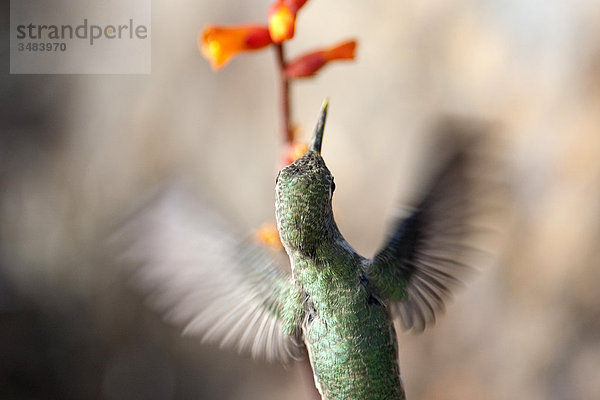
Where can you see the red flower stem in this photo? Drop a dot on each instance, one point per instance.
(284, 83)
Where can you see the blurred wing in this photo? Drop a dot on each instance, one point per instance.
(431, 249)
(197, 273)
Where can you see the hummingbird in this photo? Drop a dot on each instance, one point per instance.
(337, 306)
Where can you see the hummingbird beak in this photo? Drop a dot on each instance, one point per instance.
(318, 137)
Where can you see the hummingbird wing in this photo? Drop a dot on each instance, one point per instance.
(431, 249)
(203, 277)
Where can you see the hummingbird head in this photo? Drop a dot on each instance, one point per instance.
(303, 203)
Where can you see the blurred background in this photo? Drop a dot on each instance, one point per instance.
(78, 152)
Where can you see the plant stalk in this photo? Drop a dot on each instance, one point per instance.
(287, 133)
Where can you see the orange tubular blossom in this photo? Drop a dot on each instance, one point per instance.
(308, 64)
(268, 236)
(220, 43)
(282, 21)
(295, 4)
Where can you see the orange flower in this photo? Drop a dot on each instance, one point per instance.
(296, 4)
(282, 22)
(282, 19)
(309, 64)
(219, 43)
(292, 152)
(267, 235)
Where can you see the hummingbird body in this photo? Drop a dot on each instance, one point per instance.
(347, 331)
(336, 304)
(349, 335)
